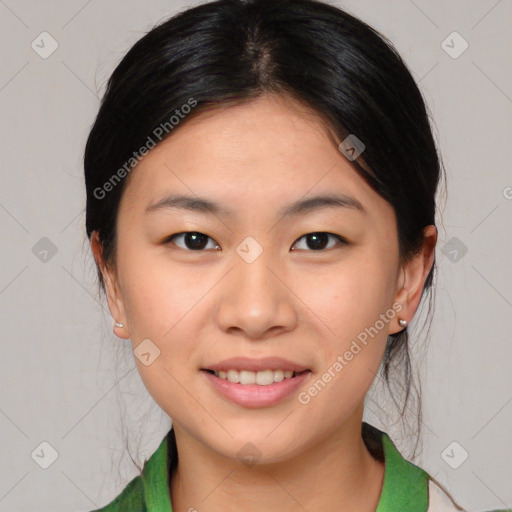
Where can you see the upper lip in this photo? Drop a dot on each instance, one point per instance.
(256, 365)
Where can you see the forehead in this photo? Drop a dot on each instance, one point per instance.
(262, 154)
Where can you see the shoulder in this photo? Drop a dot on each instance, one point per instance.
(439, 500)
(407, 486)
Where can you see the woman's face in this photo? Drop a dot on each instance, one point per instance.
(250, 283)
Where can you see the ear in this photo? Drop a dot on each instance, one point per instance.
(412, 277)
(114, 297)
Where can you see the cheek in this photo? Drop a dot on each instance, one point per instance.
(349, 303)
(158, 295)
(163, 305)
(348, 299)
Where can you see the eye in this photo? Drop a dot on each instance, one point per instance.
(192, 240)
(196, 241)
(320, 240)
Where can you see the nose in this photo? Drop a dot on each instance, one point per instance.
(255, 301)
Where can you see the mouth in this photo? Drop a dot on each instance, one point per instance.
(261, 378)
(256, 383)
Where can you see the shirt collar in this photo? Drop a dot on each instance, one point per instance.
(405, 485)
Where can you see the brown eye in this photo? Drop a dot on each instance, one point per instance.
(192, 241)
(319, 241)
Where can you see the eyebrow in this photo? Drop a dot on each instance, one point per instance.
(300, 207)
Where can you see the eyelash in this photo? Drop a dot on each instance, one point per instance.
(342, 241)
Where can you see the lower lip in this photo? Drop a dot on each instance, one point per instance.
(254, 395)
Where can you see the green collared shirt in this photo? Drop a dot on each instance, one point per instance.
(406, 487)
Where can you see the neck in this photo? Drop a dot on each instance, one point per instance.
(339, 473)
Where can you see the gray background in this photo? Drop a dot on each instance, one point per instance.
(62, 370)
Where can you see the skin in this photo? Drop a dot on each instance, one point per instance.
(306, 305)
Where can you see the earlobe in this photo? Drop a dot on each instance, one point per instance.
(120, 331)
(412, 278)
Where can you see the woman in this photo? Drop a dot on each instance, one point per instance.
(261, 182)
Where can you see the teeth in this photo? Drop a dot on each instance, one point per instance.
(233, 376)
(278, 375)
(263, 378)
